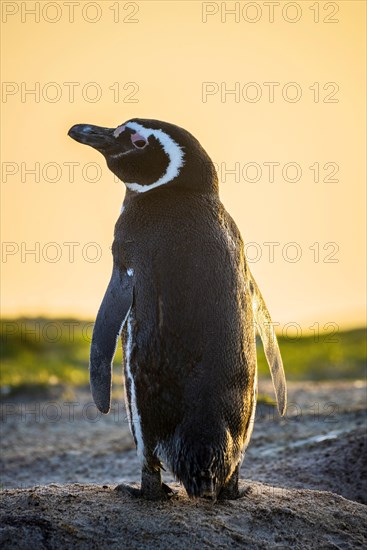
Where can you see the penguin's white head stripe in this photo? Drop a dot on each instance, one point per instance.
(170, 147)
(119, 131)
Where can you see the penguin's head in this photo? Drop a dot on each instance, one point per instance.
(148, 154)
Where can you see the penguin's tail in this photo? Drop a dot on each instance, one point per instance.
(199, 475)
(201, 485)
(201, 468)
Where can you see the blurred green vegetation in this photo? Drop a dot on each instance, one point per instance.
(42, 352)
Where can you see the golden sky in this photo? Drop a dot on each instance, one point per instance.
(299, 85)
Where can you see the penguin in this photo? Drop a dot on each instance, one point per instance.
(186, 306)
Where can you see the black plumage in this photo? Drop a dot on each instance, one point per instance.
(189, 335)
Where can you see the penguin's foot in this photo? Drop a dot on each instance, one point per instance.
(233, 493)
(231, 490)
(164, 493)
(152, 487)
(129, 490)
(169, 493)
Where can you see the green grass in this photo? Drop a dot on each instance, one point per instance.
(43, 352)
(40, 352)
(307, 359)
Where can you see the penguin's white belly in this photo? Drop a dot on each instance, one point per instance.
(131, 404)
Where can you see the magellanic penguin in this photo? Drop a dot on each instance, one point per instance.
(184, 301)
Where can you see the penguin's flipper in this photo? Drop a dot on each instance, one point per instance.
(111, 317)
(270, 343)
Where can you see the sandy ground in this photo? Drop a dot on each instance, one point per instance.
(305, 476)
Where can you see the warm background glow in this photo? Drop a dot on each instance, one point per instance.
(169, 53)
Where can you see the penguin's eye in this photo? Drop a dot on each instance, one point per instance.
(138, 141)
(140, 144)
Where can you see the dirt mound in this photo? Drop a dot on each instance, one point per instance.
(90, 516)
(301, 467)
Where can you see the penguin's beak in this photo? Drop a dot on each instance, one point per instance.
(95, 136)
